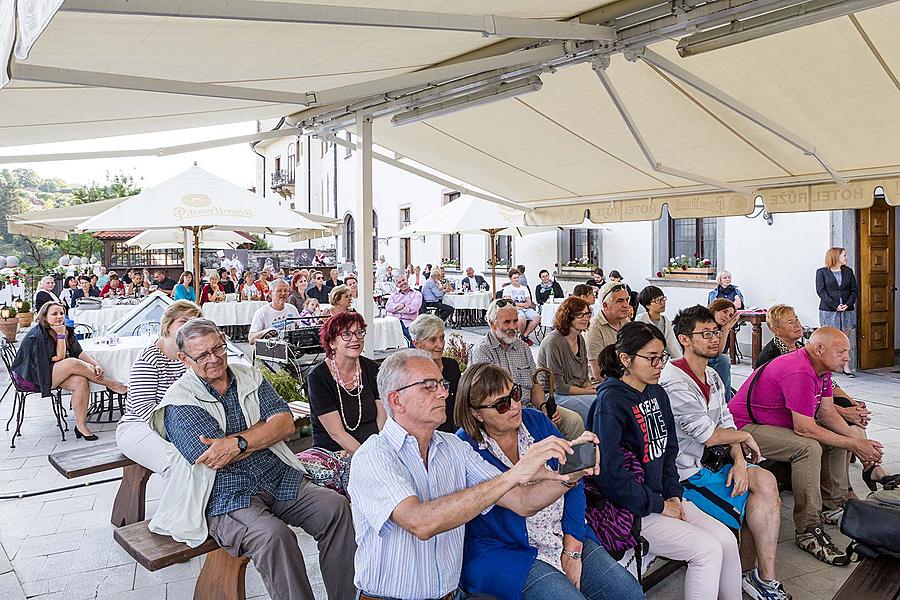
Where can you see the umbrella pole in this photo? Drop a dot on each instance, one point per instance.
(197, 278)
(494, 261)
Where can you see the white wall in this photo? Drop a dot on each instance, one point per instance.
(628, 248)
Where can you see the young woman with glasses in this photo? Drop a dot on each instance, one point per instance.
(564, 352)
(552, 554)
(633, 419)
(343, 401)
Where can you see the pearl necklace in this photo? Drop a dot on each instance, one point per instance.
(357, 385)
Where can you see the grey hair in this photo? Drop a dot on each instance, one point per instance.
(393, 373)
(721, 274)
(48, 278)
(274, 284)
(195, 328)
(426, 326)
(494, 309)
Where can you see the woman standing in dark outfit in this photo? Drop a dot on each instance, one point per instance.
(343, 402)
(837, 289)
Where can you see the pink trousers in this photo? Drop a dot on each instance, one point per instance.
(708, 546)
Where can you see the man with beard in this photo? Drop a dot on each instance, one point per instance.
(503, 346)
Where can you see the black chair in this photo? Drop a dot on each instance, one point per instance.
(8, 354)
(83, 331)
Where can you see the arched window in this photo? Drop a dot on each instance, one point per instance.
(349, 240)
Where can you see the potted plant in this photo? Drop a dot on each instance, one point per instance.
(9, 324)
(457, 349)
(689, 267)
(23, 313)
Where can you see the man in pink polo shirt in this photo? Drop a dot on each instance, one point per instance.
(791, 416)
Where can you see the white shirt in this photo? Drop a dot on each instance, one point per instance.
(517, 294)
(267, 317)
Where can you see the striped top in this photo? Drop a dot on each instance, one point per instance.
(387, 469)
(152, 374)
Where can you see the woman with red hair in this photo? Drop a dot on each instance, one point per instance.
(343, 401)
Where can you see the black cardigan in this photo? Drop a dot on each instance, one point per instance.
(33, 360)
(831, 294)
(555, 290)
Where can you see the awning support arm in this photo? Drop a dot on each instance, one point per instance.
(429, 176)
(599, 67)
(737, 106)
(283, 12)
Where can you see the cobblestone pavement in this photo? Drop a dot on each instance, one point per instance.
(60, 545)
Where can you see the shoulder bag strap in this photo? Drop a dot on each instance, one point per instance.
(753, 381)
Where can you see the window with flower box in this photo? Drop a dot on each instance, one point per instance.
(580, 248)
(693, 238)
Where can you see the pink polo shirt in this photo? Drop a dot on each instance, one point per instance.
(788, 384)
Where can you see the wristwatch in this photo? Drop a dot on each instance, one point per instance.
(242, 444)
(575, 555)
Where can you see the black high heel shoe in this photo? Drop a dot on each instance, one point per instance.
(888, 482)
(88, 438)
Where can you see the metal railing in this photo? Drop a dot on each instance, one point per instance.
(281, 178)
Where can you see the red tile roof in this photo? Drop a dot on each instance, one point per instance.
(115, 235)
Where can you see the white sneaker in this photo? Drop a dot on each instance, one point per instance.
(756, 588)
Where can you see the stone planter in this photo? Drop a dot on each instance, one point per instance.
(8, 328)
(691, 273)
(25, 319)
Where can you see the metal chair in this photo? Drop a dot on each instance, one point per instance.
(8, 355)
(148, 328)
(83, 331)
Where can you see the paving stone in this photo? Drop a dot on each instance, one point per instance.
(50, 544)
(67, 506)
(10, 588)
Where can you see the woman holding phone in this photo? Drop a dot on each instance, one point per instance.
(552, 554)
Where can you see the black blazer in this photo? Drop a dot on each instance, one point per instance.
(831, 294)
(555, 291)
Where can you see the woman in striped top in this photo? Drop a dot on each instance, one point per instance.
(152, 374)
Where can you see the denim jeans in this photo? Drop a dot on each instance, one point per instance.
(722, 365)
(458, 595)
(580, 404)
(602, 578)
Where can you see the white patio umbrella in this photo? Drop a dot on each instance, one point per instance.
(158, 239)
(195, 201)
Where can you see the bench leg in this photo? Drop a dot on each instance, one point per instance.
(131, 497)
(222, 577)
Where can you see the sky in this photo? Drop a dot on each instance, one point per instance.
(235, 163)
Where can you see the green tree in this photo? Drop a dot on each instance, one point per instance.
(117, 186)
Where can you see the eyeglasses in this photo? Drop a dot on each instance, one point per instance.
(348, 335)
(430, 385)
(616, 288)
(708, 334)
(503, 404)
(656, 360)
(583, 314)
(217, 352)
(503, 303)
(660, 299)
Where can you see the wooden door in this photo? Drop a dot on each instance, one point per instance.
(876, 286)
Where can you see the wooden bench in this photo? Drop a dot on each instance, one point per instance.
(132, 495)
(221, 578)
(873, 579)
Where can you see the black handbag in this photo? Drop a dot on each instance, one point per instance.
(874, 528)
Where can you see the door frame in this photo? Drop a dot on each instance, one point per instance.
(876, 306)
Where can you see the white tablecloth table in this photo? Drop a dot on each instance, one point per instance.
(469, 300)
(387, 333)
(117, 359)
(98, 319)
(226, 314)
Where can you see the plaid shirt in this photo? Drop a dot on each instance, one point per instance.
(517, 359)
(236, 483)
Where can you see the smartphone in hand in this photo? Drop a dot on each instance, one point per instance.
(583, 457)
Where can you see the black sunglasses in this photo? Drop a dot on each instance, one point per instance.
(503, 404)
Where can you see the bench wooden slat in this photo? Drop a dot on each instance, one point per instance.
(873, 579)
(153, 551)
(88, 460)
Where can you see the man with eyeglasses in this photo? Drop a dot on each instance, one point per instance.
(605, 325)
(275, 316)
(737, 493)
(317, 288)
(234, 478)
(503, 346)
(415, 488)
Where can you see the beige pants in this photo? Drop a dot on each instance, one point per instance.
(818, 472)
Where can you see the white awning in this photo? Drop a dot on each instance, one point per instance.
(57, 223)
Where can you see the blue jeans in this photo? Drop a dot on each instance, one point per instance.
(602, 578)
(580, 404)
(722, 365)
(457, 595)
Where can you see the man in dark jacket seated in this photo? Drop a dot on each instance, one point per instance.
(546, 288)
(474, 282)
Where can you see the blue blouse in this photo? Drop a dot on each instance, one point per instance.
(183, 292)
(496, 554)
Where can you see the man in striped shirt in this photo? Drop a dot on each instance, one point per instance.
(415, 488)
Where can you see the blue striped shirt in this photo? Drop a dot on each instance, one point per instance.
(387, 469)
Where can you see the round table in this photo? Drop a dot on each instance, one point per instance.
(116, 359)
(387, 333)
(469, 307)
(227, 314)
(102, 318)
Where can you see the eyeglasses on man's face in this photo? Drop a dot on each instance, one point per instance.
(708, 334)
(504, 403)
(430, 385)
(210, 355)
(348, 335)
(655, 361)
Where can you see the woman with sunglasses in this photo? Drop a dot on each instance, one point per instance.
(564, 352)
(552, 554)
(632, 415)
(343, 402)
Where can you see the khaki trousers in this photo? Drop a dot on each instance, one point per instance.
(818, 472)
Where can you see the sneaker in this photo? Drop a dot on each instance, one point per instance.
(832, 516)
(758, 589)
(815, 541)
